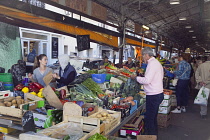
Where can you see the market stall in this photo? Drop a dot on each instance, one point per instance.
(107, 97)
(99, 103)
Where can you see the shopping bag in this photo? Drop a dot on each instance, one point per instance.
(202, 97)
(174, 82)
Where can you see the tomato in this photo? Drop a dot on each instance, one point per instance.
(90, 109)
(74, 102)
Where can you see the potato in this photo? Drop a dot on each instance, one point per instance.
(9, 104)
(23, 101)
(108, 115)
(2, 104)
(14, 101)
(5, 103)
(9, 99)
(15, 105)
(104, 114)
(19, 102)
(102, 119)
(98, 116)
(18, 97)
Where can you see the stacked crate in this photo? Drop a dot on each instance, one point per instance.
(164, 115)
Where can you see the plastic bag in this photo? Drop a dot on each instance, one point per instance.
(61, 130)
(202, 97)
(174, 82)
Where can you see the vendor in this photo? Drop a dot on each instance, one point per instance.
(129, 63)
(104, 62)
(67, 72)
(40, 70)
(153, 86)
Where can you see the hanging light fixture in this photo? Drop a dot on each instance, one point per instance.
(174, 1)
(194, 37)
(182, 18)
(188, 27)
(191, 31)
(145, 27)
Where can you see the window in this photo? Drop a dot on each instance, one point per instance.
(35, 36)
(65, 49)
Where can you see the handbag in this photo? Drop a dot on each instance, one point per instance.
(175, 80)
(202, 97)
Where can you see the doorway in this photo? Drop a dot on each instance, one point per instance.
(40, 47)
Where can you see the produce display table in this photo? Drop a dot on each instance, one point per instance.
(117, 128)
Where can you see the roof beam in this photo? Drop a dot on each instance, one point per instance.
(169, 9)
(172, 15)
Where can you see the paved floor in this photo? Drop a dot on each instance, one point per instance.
(187, 126)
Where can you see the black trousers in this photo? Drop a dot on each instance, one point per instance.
(182, 92)
(152, 107)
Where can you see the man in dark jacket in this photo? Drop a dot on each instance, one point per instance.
(130, 63)
(67, 72)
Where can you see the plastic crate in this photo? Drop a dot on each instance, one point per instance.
(108, 77)
(169, 74)
(99, 78)
(133, 108)
(5, 77)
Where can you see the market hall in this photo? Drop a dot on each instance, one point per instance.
(117, 69)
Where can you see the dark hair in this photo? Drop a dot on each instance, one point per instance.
(105, 57)
(186, 56)
(36, 61)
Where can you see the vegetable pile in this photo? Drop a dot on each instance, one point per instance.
(97, 136)
(93, 86)
(104, 116)
(57, 116)
(12, 101)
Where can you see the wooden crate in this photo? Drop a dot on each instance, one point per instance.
(105, 128)
(90, 127)
(18, 112)
(146, 137)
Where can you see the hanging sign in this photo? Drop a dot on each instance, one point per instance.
(54, 47)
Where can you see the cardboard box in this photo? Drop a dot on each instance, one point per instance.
(166, 97)
(43, 121)
(174, 104)
(166, 102)
(6, 130)
(163, 123)
(164, 110)
(167, 92)
(146, 137)
(164, 117)
(4, 94)
(164, 120)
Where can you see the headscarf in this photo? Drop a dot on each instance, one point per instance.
(63, 60)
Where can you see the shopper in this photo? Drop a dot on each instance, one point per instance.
(18, 71)
(129, 63)
(104, 62)
(202, 76)
(40, 70)
(67, 72)
(153, 86)
(182, 88)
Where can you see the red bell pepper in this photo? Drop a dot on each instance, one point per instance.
(33, 88)
(62, 94)
(64, 101)
(37, 85)
(20, 86)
